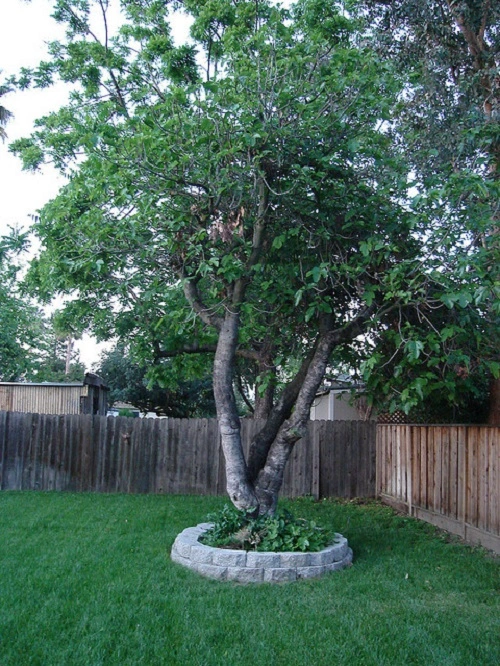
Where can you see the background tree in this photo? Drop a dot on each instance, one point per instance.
(59, 361)
(449, 125)
(21, 323)
(239, 195)
(5, 114)
(128, 382)
(31, 348)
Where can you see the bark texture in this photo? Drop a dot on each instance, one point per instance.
(270, 477)
(239, 488)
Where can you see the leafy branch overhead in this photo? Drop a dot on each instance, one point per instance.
(247, 193)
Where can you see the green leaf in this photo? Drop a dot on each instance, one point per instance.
(414, 348)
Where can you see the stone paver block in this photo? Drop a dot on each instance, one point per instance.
(191, 534)
(321, 558)
(245, 574)
(178, 558)
(280, 575)
(183, 547)
(342, 564)
(211, 571)
(202, 554)
(310, 572)
(267, 560)
(334, 566)
(339, 551)
(229, 558)
(294, 560)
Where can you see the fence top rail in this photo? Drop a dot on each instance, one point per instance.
(436, 425)
(173, 418)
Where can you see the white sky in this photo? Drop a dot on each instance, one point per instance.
(25, 29)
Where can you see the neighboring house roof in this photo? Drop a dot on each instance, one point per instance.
(89, 380)
(341, 386)
(124, 405)
(41, 384)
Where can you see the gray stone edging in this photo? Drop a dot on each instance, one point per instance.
(256, 567)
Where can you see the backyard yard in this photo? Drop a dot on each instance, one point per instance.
(86, 579)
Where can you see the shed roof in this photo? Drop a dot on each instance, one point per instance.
(41, 384)
(89, 380)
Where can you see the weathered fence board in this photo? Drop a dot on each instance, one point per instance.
(447, 475)
(95, 453)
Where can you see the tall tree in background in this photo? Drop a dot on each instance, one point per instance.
(21, 323)
(30, 346)
(449, 124)
(127, 382)
(59, 361)
(239, 195)
(5, 114)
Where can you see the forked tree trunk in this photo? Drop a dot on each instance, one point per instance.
(262, 441)
(239, 488)
(270, 478)
(257, 489)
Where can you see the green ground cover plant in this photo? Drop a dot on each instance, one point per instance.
(86, 580)
(282, 532)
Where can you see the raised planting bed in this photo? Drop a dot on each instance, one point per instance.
(256, 567)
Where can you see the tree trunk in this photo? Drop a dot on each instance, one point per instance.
(270, 478)
(494, 410)
(239, 489)
(264, 401)
(261, 443)
(69, 351)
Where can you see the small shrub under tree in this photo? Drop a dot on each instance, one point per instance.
(282, 532)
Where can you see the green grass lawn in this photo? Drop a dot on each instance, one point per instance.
(87, 580)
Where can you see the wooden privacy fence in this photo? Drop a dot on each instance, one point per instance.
(446, 475)
(96, 453)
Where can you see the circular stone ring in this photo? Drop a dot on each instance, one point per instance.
(253, 566)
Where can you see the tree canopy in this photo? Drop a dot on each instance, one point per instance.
(449, 125)
(246, 194)
(20, 323)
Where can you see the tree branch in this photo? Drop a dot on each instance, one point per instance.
(193, 296)
(194, 348)
(197, 348)
(257, 242)
(244, 396)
